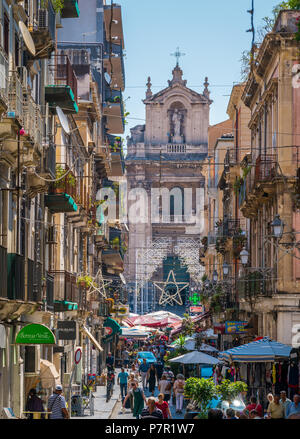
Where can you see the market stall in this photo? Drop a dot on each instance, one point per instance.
(265, 365)
(195, 358)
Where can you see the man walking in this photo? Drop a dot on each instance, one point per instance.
(110, 361)
(125, 358)
(57, 405)
(284, 401)
(122, 381)
(143, 370)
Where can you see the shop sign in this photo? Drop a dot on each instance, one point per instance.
(219, 329)
(35, 334)
(66, 330)
(108, 331)
(196, 309)
(235, 327)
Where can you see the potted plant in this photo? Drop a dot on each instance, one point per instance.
(84, 281)
(201, 391)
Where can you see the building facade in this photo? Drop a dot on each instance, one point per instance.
(60, 266)
(165, 193)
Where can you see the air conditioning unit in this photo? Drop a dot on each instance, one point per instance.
(43, 18)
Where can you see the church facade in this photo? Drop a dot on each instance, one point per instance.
(165, 195)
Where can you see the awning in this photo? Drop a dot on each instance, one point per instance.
(92, 338)
(48, 373)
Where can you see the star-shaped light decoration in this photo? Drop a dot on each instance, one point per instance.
(167, 297)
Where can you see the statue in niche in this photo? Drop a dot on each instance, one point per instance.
(177, 124)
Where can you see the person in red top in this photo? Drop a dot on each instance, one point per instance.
(254, 406)
(163, 406)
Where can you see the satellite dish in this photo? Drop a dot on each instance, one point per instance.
(63, 120)
(27, 38)
(107, 77)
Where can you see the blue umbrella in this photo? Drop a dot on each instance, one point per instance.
(259, 351)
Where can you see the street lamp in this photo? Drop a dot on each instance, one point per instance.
(244, 255)
(215, 276)
(225, 268)
(277, 227)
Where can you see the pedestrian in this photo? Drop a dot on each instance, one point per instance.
(123, 381)
(110, 361)
(294, 407)
(132, 379)
(241, 415)
(33, 404)
(254, 406)
(152, 377)
(275, 409)
(254, 415)
(230, 414)
(125, 358)
(57, 405)
(178, 390)
(138, 399)
(169, 374)
(151, 412)
(159, 369)
(143, 370)
(165, 387)
(162, 405)
(134, 371)
(284, 401)
(215, 414)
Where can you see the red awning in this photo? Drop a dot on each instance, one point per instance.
(195, 319)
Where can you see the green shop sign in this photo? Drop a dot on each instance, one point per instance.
(112, 328)
(35, 334)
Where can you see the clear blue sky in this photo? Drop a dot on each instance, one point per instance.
(212, 34)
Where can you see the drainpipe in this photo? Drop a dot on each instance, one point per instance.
(18, 197)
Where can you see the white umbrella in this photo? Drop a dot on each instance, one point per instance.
(207, 348)
(195, 357)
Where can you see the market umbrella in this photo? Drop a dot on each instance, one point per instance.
(207, 348)
(48, 373)
(195, 357)
(259, 351)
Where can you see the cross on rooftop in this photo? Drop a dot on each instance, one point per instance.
(178, 55)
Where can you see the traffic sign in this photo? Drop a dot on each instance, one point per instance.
(78, 354)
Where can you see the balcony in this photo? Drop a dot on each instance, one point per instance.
(15, 98)
(62, 89)
(117, 157)
(66, 291)
(114, 65)
(34, 281)
(265, 171)
(33, 122)
(70, 9)
(114, 28)
(50, 291)
(113, 255)
(4, 73)
(50, 161)
(62, 193)
(43, 30)
(252, 286)
(114, 112)
(15, 277)
(3, 272)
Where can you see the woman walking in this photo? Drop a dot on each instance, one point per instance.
(138, 399)
(165, 387)
(163, 406)
(152, 377)
(179, 391)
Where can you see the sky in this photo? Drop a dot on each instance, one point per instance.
(212, 34)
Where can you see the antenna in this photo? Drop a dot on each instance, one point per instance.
(27, 38)
(63, 120)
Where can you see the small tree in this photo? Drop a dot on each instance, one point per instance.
(201, 391)
(229, 391)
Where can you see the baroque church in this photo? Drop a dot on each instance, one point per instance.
(164, 166)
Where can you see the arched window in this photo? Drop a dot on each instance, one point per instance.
(176, 205)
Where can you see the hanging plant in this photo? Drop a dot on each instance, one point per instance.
(237, 185)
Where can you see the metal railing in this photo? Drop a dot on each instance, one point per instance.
(4, 75)
(44, 20)
(49, 291)
(265, 167)
(63, 73)
(65, 283)
(231, 157)
(29, 116)
(34, 281)
(15, 277)
(15, 96)
(3, 272)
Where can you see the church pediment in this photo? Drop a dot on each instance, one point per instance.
(177, 90)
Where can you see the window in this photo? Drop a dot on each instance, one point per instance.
(6, 34)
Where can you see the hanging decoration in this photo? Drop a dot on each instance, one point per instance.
(170, 296)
